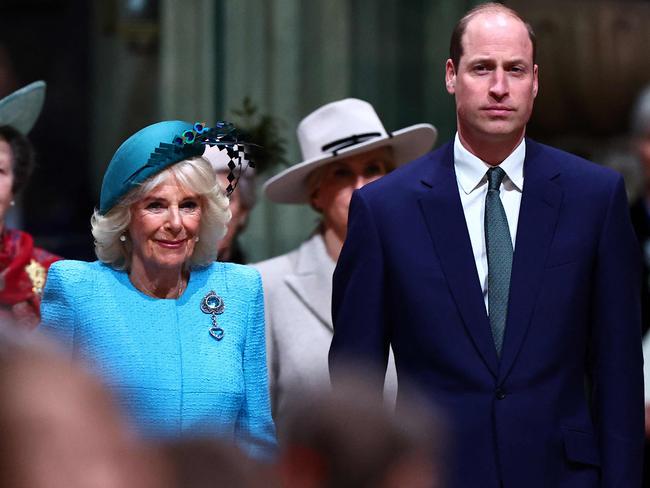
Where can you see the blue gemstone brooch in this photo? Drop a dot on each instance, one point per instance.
(213, 305)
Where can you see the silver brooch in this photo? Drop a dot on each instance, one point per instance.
(213, 305)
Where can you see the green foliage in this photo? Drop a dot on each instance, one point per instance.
(264, 130)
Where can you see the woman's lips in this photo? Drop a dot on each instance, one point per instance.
(170, 244)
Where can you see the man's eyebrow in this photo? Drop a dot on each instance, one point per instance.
(480, 59)
(490, 59)
(519, 60)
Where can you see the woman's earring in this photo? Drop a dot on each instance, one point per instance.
(12, 203)
(123, 238)
(196, 239)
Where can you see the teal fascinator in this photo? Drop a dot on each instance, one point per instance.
(21, 108)
(158, 146)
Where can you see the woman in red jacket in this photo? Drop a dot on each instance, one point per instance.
(23, 267)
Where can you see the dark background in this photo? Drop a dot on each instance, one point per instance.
(593, 57)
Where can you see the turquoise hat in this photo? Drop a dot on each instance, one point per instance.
(135, 160)
(21, 108)
(158, 146)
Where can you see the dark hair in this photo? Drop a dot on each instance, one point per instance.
(456, 43)
(201, 462)
(23, 159)
(353, 437)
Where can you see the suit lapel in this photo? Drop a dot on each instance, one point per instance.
(312, 281)
(445, 219)
(540, 205)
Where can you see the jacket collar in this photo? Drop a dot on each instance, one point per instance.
(312, 280)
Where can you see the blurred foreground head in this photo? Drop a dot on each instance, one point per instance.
(59, 426)
(209, 463)
(346, 437)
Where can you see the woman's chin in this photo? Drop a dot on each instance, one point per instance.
(169, 260)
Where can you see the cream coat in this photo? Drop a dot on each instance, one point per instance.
(297, 300)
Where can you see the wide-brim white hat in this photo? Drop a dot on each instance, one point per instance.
(339, 130)
(21, 108)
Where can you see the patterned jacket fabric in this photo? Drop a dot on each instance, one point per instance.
(157, 355)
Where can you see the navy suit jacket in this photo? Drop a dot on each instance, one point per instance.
(563, 406)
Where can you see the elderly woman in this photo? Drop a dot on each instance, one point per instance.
(177, 336)
(344, 146)
(23, 266)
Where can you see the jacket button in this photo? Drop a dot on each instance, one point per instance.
(500, 394)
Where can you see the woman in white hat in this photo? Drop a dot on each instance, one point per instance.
(23, 266)
(344, 146)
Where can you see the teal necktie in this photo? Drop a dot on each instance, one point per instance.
(499, 255)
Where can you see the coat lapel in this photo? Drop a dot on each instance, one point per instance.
(312, 280)
(445, 219)
(540, 206)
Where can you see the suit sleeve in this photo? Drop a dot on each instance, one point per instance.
(58, 318)
(254, 423)
(616, 356)
(358, 314)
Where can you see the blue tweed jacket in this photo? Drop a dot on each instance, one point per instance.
(157, 355)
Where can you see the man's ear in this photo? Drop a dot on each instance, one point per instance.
(450, 77)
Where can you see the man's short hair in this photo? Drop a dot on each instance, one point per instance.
(456, 43)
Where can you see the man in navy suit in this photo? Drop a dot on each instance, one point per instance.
(510, 295)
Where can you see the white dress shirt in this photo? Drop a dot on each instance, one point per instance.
(472, 187)
(646, 367)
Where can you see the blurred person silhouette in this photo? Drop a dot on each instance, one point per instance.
(196, 462)
(242, 202)
(344, 437)
(505, 274)
(640, 213)
(640, 208)
(23, 266)
(344, 146)
(177, 336)
(268, 149)
(60, 427)
(8, 78)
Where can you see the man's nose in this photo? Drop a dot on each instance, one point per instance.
(499, 85)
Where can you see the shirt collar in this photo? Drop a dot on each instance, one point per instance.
(470, 170)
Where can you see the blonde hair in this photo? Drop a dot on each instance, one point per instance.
(195, 175)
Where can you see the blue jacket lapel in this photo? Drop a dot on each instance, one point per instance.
(445, 220)
(540, 205)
